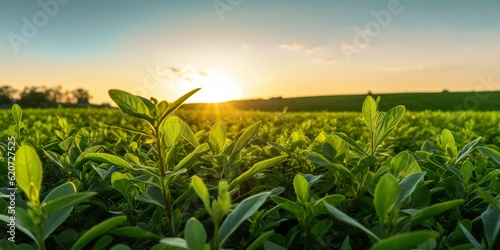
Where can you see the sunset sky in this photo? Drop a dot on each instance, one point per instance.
(250, 48)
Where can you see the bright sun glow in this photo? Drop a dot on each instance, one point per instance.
(215, 87)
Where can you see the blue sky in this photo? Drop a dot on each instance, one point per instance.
(264, 48)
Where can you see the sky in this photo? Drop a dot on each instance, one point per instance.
(250, 48)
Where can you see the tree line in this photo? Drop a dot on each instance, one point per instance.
(42, 96)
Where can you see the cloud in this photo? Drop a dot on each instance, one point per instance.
(244, 46)
(324, 60)
(292, 46)
(406, 68)
(312, 49)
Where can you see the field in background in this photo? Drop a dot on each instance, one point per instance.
(445, 101)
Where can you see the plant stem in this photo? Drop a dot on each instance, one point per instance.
(164, 186)
(216, 235)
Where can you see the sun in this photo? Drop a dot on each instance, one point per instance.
(215, 87)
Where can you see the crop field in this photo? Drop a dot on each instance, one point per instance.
(152, 176)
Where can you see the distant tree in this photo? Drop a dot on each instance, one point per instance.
(82, 96)
(68, 97)
(55, 94)
(7, 95)
(35, 97)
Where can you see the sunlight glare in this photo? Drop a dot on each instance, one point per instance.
(215, 87)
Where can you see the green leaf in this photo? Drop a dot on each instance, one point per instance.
(433, 210)
(133, 105)
(29, 172)
(290, 206)
(407, 186)
(385, 197)
(319, 208)
(301, 189)
(245, 138)
(466, 150)
(466, 171)
(389, 122)
(448, 142)
(217, 138)
(108, 158)
(177, 103)
(134, 232)
(488, 198)
(192, 157)
(491, 224)
(98, 230)
(491, 153)
(471, 238)
(369, 111)
(347, 219)
(175, 242)
(405, 241)
(17, 113)
(260, 240)
(404, 164)
(257, 168)
(188, 134)
(352, 143)
(171, 129)
(121, 182)
(80, 161)
(242, 212)
(102, 242)
(195, 235)
(27, 227)
(333, 167)
(70, 200)
(202, 191)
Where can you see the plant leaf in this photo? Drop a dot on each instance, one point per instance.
(17, 113)
(245, 138)
(301, 189)
(369, 111)
(108, 158)
(257, 168)
(132, 104)
(192, 157)
(202, 191)
(471, 238)
(243, 211)
(407, 186)
(352, 143)
(195, 235)
(491, 224)
(333, 167)
(434, 210)
(405, 240)
(217, 138)
(347, 219)
(175, 242)
(29, 172)
(134, 232)
(389, 122)
(466, 150)
(98, 230)
(386, 196)
(177, 103)
(404, 164)
(490, 153)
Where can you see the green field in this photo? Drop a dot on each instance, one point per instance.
(445, 101)
(151, 176)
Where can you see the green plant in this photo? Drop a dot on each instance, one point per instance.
(195, 235)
